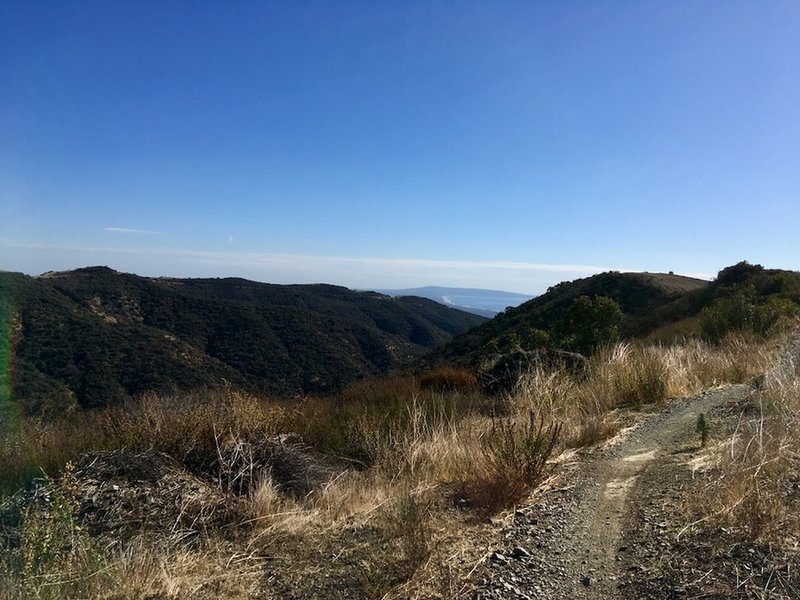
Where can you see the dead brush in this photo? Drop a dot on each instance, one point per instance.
(290, 465)
(449, 379)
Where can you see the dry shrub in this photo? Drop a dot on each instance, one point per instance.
(283, 459)
(386, 390)
(448, 379)
(757, 490)
(121, 492)
(514, 461)
(184, 427)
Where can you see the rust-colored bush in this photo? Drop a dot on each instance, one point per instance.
(448, 379)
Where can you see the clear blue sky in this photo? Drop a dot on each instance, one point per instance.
(507, 145)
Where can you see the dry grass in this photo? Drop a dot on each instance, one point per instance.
(629, 375)
(184, 427)
(756, 492)
(410, 447)
(149, 568)
(695, 366)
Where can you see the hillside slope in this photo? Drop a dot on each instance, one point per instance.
(646, 300)
(655, 305)
(94, 336)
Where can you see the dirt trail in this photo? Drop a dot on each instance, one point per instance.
(574, 542)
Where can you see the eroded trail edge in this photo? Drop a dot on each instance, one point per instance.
(573, 542)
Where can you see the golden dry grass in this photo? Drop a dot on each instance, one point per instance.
(755, 490)
(414, 448)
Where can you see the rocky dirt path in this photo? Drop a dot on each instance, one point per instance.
(581, 541)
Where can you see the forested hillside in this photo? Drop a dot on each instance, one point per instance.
(94, 336)
(582, 314)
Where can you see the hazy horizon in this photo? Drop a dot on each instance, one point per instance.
(284, 270)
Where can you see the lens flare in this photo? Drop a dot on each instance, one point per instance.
(9, 413)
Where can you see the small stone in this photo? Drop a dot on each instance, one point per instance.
(520, 552)
(498, 558)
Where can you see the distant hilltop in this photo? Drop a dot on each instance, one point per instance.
(486, 303)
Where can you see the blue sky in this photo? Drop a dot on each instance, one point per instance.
(507, 145)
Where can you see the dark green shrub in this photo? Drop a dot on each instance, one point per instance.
(742, 312)
(589, 324)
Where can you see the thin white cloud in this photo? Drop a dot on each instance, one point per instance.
(130, 230)
(354, 272)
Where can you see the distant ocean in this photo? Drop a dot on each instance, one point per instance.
(495, 303)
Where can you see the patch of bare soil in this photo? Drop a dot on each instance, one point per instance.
(610, 529)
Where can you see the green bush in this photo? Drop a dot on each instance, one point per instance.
(742, 312)
(589, 324)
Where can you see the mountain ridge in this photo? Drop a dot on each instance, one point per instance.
(94, 336)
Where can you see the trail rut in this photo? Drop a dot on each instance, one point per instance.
(577, 537)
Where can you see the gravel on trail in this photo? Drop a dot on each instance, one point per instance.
(580, 540)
